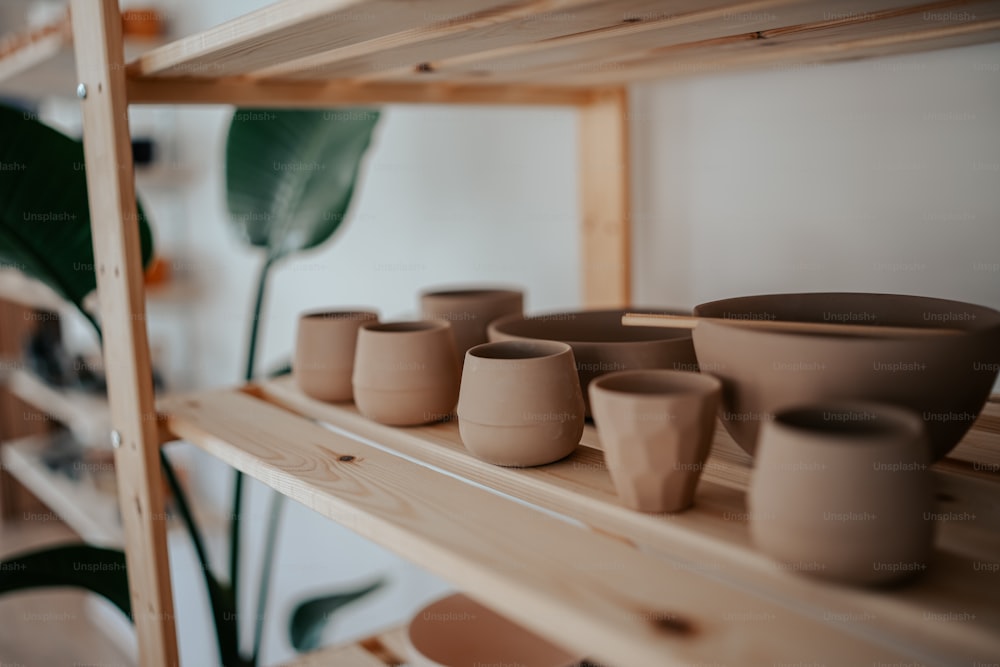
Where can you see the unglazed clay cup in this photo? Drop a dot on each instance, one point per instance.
(457, 631)
(520, 403)
(406, 373)
(656, 429)
(324, 352)
(470, 311)
(842, 491)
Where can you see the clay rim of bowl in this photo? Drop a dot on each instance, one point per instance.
(782, 307)
(524, 351)
(863, 422)
(360, 314)
(406, 326)
(656, 383)
(462, 293)
(641, 335)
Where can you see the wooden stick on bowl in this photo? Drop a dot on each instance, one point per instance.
(835, 328)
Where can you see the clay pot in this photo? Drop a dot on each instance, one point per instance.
(656, 429)
(601, 344)
(842, 491)
(457, 631)
(324, 352)
(470, 311)
(945, 379)
(520, 403)
(406, 373)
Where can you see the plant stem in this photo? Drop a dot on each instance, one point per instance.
(234, 524)
(225, 623)
(264, 590)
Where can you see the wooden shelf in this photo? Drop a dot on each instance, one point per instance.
(383, 649)
(637, 587)
(91, 511)
(528, 50)
(83, 413)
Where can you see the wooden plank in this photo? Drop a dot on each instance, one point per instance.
(379, 650)
(604, 165)
(21, 51)
(415, 53)
(278, 94)
(871, 34)
(294, 29)
(651, 29)
(713, 536)
(97, 28)
(574, 586)
(90, 512)
(85, 414)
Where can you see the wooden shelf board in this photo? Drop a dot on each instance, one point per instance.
(87, 415)
(89, 511)
(381, 51)
(393, 501)
(383, 649)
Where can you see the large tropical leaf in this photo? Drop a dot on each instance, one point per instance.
(78, 565)
(290, 174)
(44, 217)
(311, 617)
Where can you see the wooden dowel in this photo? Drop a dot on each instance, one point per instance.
(691, 321)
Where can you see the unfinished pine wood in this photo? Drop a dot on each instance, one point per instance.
(713, 536)
(21, 51)
(556, 42)
(85, 414)
(379, 650)
(576, 587)
(604, 165)
(97, 30)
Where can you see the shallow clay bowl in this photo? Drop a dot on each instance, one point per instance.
(457, 631)
(601, 344)
(945, 378)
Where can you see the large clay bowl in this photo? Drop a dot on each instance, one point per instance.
(944, 378)
(601, 344)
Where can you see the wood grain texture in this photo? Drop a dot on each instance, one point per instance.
(605, 197)
(713, 536)
(97, 34)
(574, 586)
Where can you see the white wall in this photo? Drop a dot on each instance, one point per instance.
(878, 176)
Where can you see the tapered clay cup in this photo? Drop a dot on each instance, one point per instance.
(520, 403)
(406, 373)
(324, 352)
(470, 311)
(842, 491)
(656, 428)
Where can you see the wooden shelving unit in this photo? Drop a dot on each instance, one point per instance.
(626, 588)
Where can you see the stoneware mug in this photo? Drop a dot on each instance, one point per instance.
(520, 403)
(324, 352)
(656, 429)
(842, 491)
(406, 373)
(470, 311)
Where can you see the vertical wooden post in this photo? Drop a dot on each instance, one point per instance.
(97, 35)
(604, 190)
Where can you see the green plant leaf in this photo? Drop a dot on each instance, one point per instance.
(310, 618)
(44, 216)
(290, 174)
(96, 569)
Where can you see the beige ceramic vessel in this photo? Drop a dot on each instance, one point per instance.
(944, 378)
(656, 429)
(470, 311)
(601, 344)
(520, 403)
(324, 352)
(842, 491)
(457, 631)
(406, 373)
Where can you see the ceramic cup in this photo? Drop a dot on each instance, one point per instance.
(457, 630)
(324, 352)
(520, 403)
(656, 428)
(406, 373)
(840, 491)
(470, 311)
